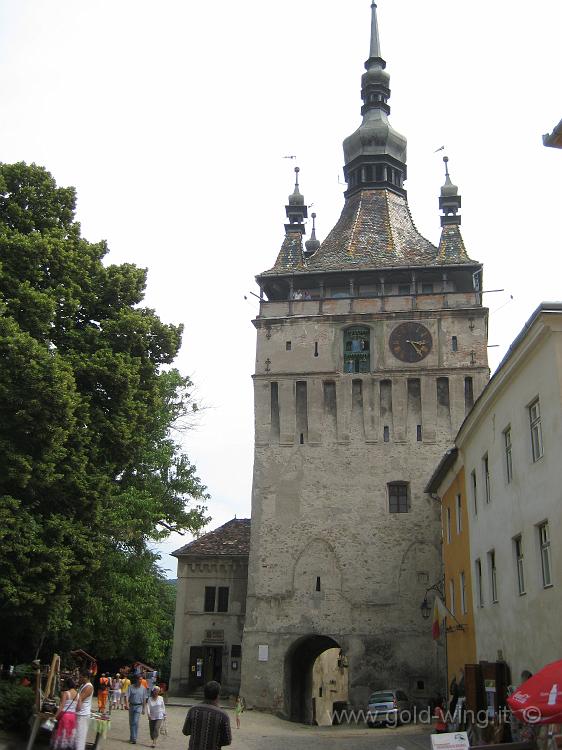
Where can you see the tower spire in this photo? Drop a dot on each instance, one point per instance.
(296, 209)
(375, 41)
(449, 200)
(313, 243)
(375, 155)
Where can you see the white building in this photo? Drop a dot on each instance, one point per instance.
(512, 448)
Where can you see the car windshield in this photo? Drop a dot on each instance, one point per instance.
(381, 698)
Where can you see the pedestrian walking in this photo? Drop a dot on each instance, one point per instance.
(83, 709)
(156, 711)
(238, 711)
(439, 717)
(206, 725)
(116, 691)
(103, 691)
(137, 701)
(64, 736)
(125, 685)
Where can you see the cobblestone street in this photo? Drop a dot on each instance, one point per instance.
(264, 732)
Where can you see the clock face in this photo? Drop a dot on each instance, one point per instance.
(410, 342)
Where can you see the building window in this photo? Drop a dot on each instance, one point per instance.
(468, 394)
(448, 526)
(479, 591)
(536, 430)
(236, 651)
(486, 477)
(493, 576)
(210, 595)
(356, 357)
(546, 564)
(419, 433)
(462, 582)
(474, 491)
(316, 348)
(213, 604)
(386, 433)
(288, 346)
(508, 454)
(518, 550)
(454, 344)
(404, 289)
(452, 596)
(223, 599)
(398, 497)
(459, 514)
(318, 584)
(427, 288)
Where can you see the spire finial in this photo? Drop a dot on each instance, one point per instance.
(313, 244)
(450, 200)
(375, 41)
(296, 210)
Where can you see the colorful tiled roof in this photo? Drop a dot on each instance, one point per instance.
(231, 539)
(375, 230)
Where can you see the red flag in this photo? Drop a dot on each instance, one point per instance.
(440, 612)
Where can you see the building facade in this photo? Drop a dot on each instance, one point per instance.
(447, 486)
(210, 609)
(511, 449)
(371, 348)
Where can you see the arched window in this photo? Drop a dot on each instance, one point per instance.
(356, 350)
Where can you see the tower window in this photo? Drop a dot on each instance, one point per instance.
(288, 346)
(404, 289)
(386, 433)
(454, 344)
(318, 585)
(468, 394)
(316, 348)
(419, 433)
(398, 497)
(427, 288)
(356, 349)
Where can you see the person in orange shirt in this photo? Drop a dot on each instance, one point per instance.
(103, 689)
(144, 682)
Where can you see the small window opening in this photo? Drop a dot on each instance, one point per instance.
(420, 685)
(318, 586)
(386, 433)
(419, 433)
(302, 438)
(316, 348)
(454, 344)
(320, 691)
(288, 346)
(404, 289)
(427, 288)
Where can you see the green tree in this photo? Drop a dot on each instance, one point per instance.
(91, 474)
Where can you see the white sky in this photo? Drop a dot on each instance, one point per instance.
(171, 119)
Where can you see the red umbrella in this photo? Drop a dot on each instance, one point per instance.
(539, 699)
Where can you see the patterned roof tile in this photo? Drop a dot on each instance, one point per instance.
(231, 539)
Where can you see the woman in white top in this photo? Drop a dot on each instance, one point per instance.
(156, 711)
(83, 709)
(64, 736)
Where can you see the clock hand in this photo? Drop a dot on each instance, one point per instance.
(415, 344)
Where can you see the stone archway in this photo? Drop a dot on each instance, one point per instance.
(299, 666)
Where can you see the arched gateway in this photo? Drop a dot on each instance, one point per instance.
(314, 673)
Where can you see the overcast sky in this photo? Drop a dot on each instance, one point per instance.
(171, 119)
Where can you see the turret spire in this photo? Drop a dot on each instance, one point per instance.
(312, 244)
(449, 200)
(375, 155)
(296, 209)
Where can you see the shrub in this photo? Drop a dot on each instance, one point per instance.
(16, 706)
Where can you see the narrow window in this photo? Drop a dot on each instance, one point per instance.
(301, 408)
(462, 583)
(486, 477)
(459, 514)
(454, 344)
(508, 455)
(518, 550)
(236, 651)
(419, 433)
(404, 289)
(474, 492)
(398, 497)
(223, 599)
(275, 425)
(288, 346)
(452, 596)
(316, 348)
(468, 394)
(448, 525)
(493, 576)
(536, 430)
(210, 593)
(420, 685)
(386, 433)
(427, 288)
(479, 591)
(301, 440)
(546, 564)
(318, 586)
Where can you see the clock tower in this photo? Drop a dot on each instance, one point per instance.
(371, 348)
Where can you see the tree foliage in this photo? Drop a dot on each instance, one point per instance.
(91, 472)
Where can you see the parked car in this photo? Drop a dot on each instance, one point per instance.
(388, 707)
